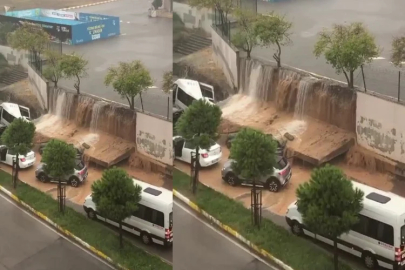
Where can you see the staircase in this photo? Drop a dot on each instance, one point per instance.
(192, 44)
(13, 75)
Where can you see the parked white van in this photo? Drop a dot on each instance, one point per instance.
(153, 221)
(10, 111)
(379, 236)
(185, 91)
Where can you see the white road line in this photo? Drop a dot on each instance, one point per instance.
(52, 229)
(224, 235)
(378, 58)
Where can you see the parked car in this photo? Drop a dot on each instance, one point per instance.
(77, 178)
(280, 177)
(7, 156)
(280, 145)
(79, 152)
(183, 149)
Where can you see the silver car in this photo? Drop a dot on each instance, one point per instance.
(280, 177)
(77, 178)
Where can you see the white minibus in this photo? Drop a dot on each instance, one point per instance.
(185, 91)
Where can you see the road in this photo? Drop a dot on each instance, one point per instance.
(199, 246)
(28, 244)
(142, 38)
(384, 19)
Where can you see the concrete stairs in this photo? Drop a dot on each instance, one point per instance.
(192, 44)
(13, 75)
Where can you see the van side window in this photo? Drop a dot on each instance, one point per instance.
(158, 218)
(183, 97)
(375, 229)
(8, 117)
(150, 215)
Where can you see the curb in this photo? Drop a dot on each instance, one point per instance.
(61, 230)
(89, 5)
(231, 231)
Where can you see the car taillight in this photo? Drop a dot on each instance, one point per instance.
(168, 233)
(81, 172)
(22, 159)
(205, 155)
(283, 173)
(398, 254)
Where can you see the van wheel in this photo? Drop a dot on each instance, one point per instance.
(42, 178)
(231, 179)
(91, 214)
(369, 260)
(296, 228)
(74, 182)
(146, 239)
(273, 185)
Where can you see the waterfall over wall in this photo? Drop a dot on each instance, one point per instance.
(299, 93)
(96, 114)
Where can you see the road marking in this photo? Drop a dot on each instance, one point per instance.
(152, 87)
(50, 228)
(89, 5)
(124, 34)
(378, 58)
(224, 235)
(128, 22)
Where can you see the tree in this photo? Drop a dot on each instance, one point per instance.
(167, 81)
(74, 66)
(222, 7)
(116, 197)
(199, 124)
(53, 71)
(398, 51)
(274, 29)
(346, 48)
(328, 204)
(246, 37)
(254, 156)
(5, 29)
(129, 80)
(18, 137)
(60, 160)
(31, 38)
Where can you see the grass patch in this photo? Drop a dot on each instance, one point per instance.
(292, 250)
(90, 231)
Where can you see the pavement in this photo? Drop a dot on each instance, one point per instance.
(384, 20)
(28, 244)
(199, 246)
(142, 38)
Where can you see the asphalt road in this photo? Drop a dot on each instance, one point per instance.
(162, 252)
(384, 19)
(142, 38)
(199, 246)
(28, 244)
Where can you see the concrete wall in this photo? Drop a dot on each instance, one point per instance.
(380, 126)
(194, 18)
(227, 58)
(154, 138)
(39, 86)
(15, 57)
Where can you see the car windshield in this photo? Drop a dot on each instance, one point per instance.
(281, 163)
(403, 235)
(79, 165)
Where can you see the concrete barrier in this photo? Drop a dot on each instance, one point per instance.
(39, 86)
(194, 18)
(15, 57)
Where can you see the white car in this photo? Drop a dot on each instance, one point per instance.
(7, 156)
(183, 150)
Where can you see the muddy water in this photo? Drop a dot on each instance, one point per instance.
(90, 112)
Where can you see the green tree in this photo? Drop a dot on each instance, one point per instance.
(53, 71)
(18, 137)
(116, 197)
(74, 66)
(328, 204)
(167, 81)
(5, 29)
(246, 37)
(60, 161)
(346, 48)
(398, 51)
(31, 38)
(199, 124)
(274, 29)
(129, 80)
(254, 156)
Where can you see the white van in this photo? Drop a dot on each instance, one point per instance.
(153, 221)
(379, 237)
(10, 111)
(185, 91)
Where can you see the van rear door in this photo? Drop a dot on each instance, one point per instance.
(207, 91)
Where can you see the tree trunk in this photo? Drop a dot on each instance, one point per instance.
(196, 169)
(278, 55)
(133, 103)
(140, 95)
(121, 243)
(335, 254)
(351, 82)
(17, 167)
(255, 210)
(248, 54)
(78, 84)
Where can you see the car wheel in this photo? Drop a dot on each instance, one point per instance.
(296, 228)
(91, 214)
(42, 178)
(369, 260)
(231, 179)
(146, 239)
(273, 185)
(74, 182)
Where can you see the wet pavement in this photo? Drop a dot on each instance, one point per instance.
(142, 38)
(383, 19)
(27, 244)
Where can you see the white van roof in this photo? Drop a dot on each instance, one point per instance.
(191, 87)
(165, 196)
(13, 109)
(394, 206)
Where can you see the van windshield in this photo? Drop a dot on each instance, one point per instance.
(206, 91)
(403, 235)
